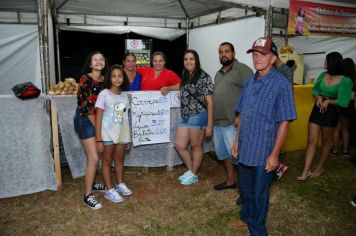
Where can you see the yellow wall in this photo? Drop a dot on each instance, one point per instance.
(298, 129)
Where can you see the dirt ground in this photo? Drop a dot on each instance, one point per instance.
(161, 206)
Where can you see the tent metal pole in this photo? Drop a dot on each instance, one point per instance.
(269, 21)
(59, 74)
(187, 34)
(58, 56)
(43, 39)
(286, 32)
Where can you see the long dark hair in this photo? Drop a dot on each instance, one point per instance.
(334, 64)
(197, 71)
(350, 70)
(87, 63)
(108, 83)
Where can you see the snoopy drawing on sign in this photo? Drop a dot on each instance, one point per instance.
(119, 110)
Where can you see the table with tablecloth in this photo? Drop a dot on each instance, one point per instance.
(152, 155)
(26, 162)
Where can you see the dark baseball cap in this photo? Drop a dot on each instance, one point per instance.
(264, 45)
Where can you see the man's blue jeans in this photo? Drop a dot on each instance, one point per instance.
(254, 189)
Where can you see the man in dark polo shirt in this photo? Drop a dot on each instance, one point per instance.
(228, 83)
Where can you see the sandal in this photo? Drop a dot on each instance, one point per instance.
(317, 174)
(304, 177)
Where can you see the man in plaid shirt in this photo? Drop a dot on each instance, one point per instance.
(265, 108)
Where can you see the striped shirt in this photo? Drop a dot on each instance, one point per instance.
(263, 104)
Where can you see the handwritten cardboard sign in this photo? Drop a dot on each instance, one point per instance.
(150, 112)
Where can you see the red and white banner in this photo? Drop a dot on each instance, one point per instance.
(314, 18)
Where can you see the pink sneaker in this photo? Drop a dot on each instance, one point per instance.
(282, 168)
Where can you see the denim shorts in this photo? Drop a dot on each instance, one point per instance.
(198, 121)
(83, 126)
(108, 142)
(112, 143)
(224, 137)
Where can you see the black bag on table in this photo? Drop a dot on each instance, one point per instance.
(26, 90)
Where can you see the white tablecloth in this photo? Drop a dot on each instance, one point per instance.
(26, 162)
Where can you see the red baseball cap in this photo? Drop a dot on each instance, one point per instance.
(264, 45)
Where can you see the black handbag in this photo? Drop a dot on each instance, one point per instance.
(26, 90)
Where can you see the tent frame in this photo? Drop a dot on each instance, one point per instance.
(48, 6)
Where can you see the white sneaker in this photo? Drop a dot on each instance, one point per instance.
(123, 189)
(190, 180)
(186, 174)
(113, 196)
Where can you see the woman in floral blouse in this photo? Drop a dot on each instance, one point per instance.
(90, 84)
(196, 116)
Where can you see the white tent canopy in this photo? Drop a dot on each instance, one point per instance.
(163, 19)
(157, 13)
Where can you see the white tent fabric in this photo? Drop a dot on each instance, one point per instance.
(157, 8)
(285, 3)
(19, 56)
(154, 32)
(238, 33)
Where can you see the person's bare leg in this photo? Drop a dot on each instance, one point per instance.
(230, 172)
(345, 133)
(89, 146)
(313, 133)
(106, 165)
(196, 138)
(119, 157)
(181, 145)
(336, 137)
(326, 139)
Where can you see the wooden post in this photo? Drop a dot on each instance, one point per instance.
(170, 157)
(55, 142)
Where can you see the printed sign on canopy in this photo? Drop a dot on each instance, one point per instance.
(314, 18)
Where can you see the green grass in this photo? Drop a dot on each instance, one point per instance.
(161, 206)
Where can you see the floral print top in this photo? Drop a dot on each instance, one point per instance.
(192, 96)
(88, 91)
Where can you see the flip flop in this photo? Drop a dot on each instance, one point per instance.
(304, 177)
